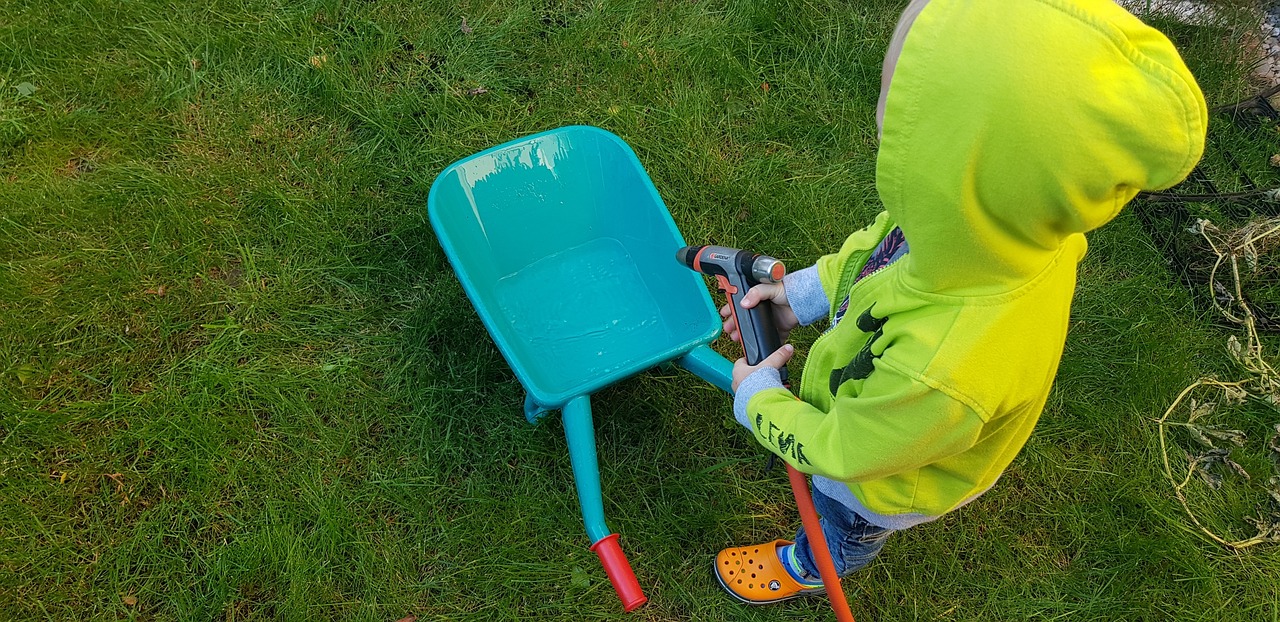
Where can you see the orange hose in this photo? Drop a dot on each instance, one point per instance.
(818, 545)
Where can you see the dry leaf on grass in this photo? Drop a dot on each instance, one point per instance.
(119, 480)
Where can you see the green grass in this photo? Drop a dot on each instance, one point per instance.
(309, 422)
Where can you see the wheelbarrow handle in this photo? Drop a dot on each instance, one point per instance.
(619, 571)
(709, 365)
(581, 438)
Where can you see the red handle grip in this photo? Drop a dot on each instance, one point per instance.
(619, 571)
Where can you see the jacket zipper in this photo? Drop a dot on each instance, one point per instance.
(884, 231)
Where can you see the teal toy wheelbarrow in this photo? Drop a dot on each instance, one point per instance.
(567, 253)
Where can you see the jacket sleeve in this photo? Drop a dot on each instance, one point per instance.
(897, 423)
(805, 295)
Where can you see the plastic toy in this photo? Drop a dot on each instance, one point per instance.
(567, 253)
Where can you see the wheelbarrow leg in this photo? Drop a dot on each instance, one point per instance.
(586, 476)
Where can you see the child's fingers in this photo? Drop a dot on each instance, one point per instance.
(730, 325)
(763, 291)
(731, 329)
(779, 358)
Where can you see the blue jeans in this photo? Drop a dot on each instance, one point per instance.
(852, 540)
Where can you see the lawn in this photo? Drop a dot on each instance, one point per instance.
(239, 380)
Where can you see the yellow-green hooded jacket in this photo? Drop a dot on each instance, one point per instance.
(1009, 130)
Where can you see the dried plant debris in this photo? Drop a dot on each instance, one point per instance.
(1243, 258)
(1241, 269)
(1268, 526)
(1210, 459)
(1203, 435)
(1203, 464)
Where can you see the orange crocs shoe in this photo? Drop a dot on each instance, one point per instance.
(755, 575)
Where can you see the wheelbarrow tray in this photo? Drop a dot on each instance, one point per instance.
(567, 253)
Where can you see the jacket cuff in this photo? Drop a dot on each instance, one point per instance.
(804, 292)
(759, 380)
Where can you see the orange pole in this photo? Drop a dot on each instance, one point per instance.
(818, 545)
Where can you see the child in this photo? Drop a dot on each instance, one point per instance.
(1008, 130)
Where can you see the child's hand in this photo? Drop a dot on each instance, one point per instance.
(777, 360)
(783, 316)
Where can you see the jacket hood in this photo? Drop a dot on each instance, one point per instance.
(1011, 128)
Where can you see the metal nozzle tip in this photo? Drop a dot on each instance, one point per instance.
(766, 269)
